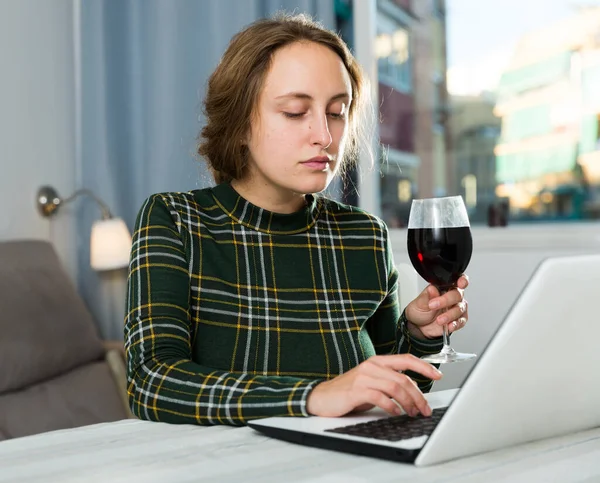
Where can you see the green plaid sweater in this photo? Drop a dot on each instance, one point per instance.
(236, 313)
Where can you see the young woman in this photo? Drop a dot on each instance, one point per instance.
(258, 297)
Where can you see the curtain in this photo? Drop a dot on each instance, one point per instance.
(143, 65)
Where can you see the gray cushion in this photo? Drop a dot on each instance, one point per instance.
(45, 328)
(84, 396)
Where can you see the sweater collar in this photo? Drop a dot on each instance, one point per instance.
(259, 219)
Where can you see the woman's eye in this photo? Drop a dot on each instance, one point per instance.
(293, 115)
(298, 115)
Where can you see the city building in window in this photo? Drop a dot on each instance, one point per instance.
(548, 155)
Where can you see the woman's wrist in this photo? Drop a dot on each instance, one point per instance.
(312, 400)
(414, 330)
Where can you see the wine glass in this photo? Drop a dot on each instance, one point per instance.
(440, 247)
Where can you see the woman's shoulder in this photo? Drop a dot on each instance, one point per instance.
(178, 207)
(185, 201)
(351, 214)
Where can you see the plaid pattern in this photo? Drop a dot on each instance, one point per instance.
(236, 313)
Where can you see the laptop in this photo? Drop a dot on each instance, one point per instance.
(537, 378)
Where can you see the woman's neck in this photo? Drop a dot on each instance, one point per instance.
(269, 197)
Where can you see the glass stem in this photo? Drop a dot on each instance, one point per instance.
(446, 337)
(447, 349)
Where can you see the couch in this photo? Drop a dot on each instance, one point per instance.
(55, 371)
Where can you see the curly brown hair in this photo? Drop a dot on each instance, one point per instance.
(235, 85)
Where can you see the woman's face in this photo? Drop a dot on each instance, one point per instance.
(298, 132)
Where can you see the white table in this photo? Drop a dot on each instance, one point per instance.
(132, 450)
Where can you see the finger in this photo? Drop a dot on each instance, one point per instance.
(426, 296)
(453, 313)
(455, 296)
(407, 362)
(377, 398)
(463, 281)
(414, 394)
(394, 390)
(435, 301)
(457, 324)
(450, 298)
(432, 291)
(400, 387)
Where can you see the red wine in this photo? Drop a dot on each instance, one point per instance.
(440, 255)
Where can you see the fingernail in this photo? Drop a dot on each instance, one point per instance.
(438, 371)
(442, 319)
(434, 304)
(427, 411)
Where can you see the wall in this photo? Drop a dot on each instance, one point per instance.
(503, 261)
(37, 118)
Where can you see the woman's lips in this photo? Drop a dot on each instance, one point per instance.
(319, 163)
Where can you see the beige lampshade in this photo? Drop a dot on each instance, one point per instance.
(110, 244)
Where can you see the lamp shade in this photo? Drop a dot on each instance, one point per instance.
(110, 245)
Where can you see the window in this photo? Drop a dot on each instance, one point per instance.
(440, 107)
(439, 9)
(469, 183)
(404, 190)
(393, 53)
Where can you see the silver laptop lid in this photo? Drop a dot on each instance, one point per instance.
(538, 377)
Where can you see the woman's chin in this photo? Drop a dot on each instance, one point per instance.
(314, 185)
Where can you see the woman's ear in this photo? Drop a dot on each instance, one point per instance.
(245, 139)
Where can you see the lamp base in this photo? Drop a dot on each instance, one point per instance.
(48, 201)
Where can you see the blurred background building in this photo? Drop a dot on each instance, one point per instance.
(474, 132)
(526, 146)
(413, 103)
(410, 47)
(548, 163)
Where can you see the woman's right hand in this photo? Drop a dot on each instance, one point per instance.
(375, 382)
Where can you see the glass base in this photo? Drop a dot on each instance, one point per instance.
(448, 356)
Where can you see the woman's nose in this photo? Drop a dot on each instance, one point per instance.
(320, 132)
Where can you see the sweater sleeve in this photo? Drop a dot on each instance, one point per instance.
(164, 384)
(388, 326)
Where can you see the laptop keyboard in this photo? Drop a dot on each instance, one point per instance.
(394, 428)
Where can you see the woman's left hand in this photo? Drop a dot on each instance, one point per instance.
(426, 315)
